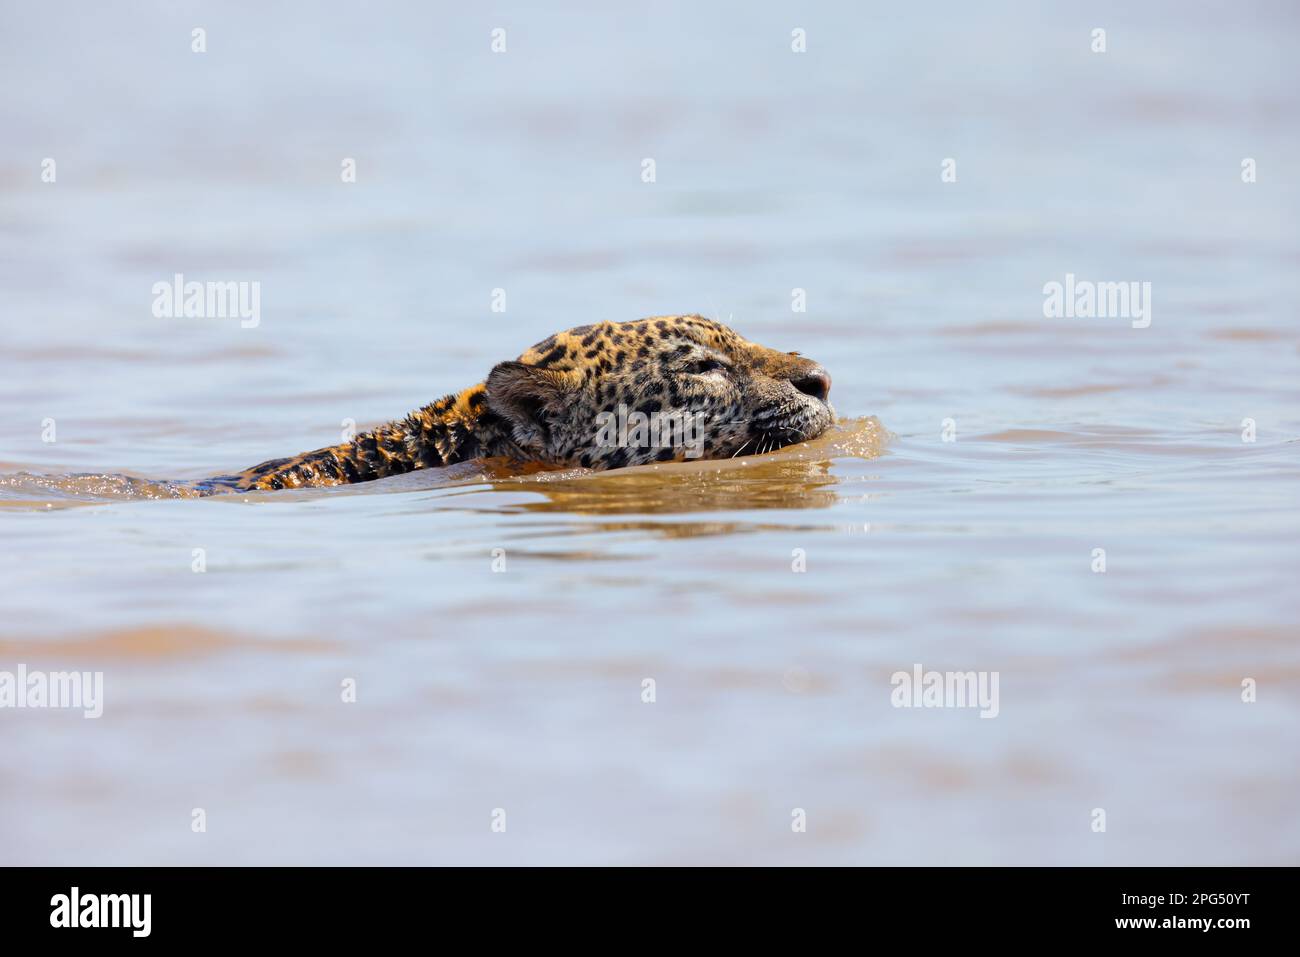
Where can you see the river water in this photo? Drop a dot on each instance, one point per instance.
(501, 633)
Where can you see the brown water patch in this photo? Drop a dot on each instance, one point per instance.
(1247, 335)
(300, 764)
(769, 486)
(1227, 681)
(994, 327)
(80, 352)
(1265, 640)
(1066, 392)
(1025, 435)
(150, 643)
(1091, 388)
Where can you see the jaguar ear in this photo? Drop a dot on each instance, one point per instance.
(530, 399)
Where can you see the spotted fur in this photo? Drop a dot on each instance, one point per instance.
(546, 406)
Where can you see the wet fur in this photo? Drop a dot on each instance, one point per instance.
(544, 406)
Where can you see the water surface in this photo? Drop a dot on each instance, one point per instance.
(522, 688)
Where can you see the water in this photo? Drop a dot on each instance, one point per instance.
(522, 689)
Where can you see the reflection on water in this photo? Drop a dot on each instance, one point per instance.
(798, 476)
(499, 626)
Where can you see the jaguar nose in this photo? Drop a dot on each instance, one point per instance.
(816, 382)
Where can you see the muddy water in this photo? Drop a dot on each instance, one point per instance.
(499, 629)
